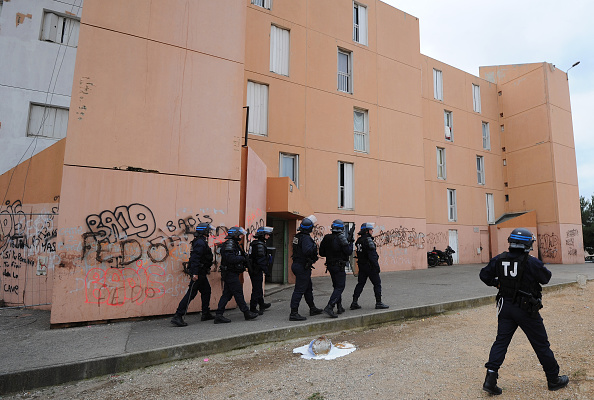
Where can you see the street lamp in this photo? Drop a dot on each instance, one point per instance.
(571, 68)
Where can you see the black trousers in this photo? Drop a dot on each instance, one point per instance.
(232, 288)
(338, 276)
(200, 285)
(257, 289)
(373, 275)
(510, 317)
(303, 286)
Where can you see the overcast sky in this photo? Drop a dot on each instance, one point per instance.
(467, 34)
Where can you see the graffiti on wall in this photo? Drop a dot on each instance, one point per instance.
(548, 244)
(400, 237)
(27, 239)
(437, 238)
(570, 240)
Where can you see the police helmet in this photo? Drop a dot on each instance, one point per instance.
(366, 227)
(235, 232)
(204, 228)
(262, 231)
(337, 226)
(521, 238)
(307, 224)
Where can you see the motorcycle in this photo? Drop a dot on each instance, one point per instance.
(436, 257)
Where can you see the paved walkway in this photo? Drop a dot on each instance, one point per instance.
(33, 355)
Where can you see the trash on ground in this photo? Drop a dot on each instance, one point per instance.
(323, 349)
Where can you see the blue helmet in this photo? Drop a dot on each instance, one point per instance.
(263, 230)
(235, 232)
(204, 228)
(307, 224)
(366, 227)
(337, 226)
(521, 238)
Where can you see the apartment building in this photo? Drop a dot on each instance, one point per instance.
(265, 112)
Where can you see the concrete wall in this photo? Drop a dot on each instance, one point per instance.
(156, 152)
(33, 71)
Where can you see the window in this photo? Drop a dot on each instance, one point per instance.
(476, 98)
(47, 121)
(360, 23)
(289, 166)
(480, 169)
(361, 128)
(441, 163)
(486, 136)
(263, 3)
(345, 185)
(279, 50)
(448, 125)
(60, 29)
(257, 101)
(452, 208)
(437, 85)
(490, 209)
(345, 71)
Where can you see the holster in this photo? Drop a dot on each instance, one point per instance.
(529, 303)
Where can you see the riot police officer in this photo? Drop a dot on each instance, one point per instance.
(337, 250)
(368, 262)
(233, 263)
(305, 254)
(260, 261)
(198, 267)
(519, 277)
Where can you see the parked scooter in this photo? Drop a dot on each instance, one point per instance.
(436, 257)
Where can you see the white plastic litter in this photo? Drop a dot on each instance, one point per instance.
(336, 350)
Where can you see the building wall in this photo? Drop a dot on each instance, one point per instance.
(33, 71)
(156, 152)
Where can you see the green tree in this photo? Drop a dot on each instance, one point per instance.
(587, 208)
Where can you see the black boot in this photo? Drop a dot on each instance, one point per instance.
(219, 319)
(354, 304)
(330, 311)
(558, 383)
(315, 311)
(247, 314)
(264, 306)
(254, 309)
(490, 385)
(294, 316)
(378, 303)
(206, 315)
(339, 308)
(178, 320)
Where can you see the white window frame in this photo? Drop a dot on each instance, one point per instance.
(361, 137)
(490, 208)
(437, 84)
(346, 192)
(486, 136)
(360, 23)
(345, 78)
(47, 121)
(60, 28)
(480, 170)
(448, 125)
(267, 4)
(282, 167)
(452, 206)
(441, 163)
(280, 46)
(476, 98)
(257, 101)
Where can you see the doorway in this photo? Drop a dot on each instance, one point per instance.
(453, 242)
(280, 265)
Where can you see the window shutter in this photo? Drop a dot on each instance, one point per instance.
(50, 27)
(348, 186)
(362, 25)
(257, 100)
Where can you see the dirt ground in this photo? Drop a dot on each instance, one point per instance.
(441, 357)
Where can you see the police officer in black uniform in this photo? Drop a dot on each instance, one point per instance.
(233, 263)
(259, 266)
(305, 254)
(519, 277)
(337, 250)
(198, 267)
(368, 262)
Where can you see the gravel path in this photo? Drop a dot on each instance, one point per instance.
(441, 357)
